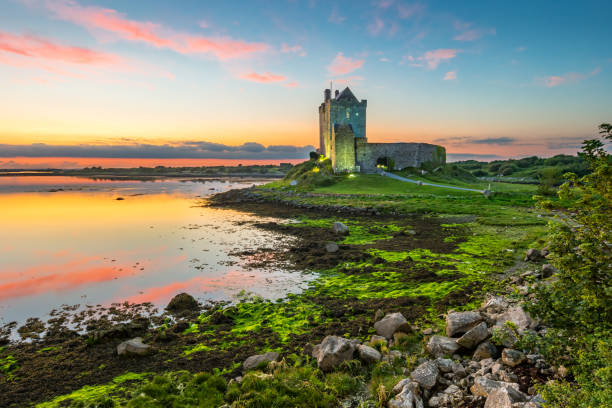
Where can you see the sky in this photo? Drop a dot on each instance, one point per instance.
(243, 79)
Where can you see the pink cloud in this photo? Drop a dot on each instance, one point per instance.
(342, 65)
(291, 85)
(472, 35)
(450, 75)
(107, 20)
(433, 58)
(571, 77)
(42, 48)
(384, 4)
(410, 10)
(295, 49)
(264, 78)
(376, 26)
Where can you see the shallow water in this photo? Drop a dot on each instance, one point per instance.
(80, 245)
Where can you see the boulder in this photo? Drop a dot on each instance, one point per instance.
(340, 228)
(426, 375)
(400, 386)
(409, 397)
(390, 324)
(548, 270)
(474, 336)
(484, 386)
(256, 360)
(499, 398)
(516, 315)
(511, 357)
(445, 365)
(440, 346)
(533, 255)
(461, 322)
(183, 302)
(495, 304)
(133, 346)
(332, 247)
(332, 351)
(378, 315)
(368, 354)
(485, 350)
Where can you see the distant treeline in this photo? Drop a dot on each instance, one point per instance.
(529, 168)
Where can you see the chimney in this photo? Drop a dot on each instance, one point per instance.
(327, 95)
(337, 93)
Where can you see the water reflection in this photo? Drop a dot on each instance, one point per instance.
(79, 244)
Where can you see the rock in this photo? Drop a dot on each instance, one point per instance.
(461, 322)
(504, 397)
(485, 350)
(474, 336)
(499, 398)
(511, 357)
(340, 228)
(408, 397)
(368, 354)
(293, 183)
(516, 315)
(378, 315)
(427, 331)
(256, 360)
(332, 247)
(533, 255)
(133, 346)
(458, 370)
(495, 304)
(548, 270)
(440, 346)
(376, 339)
(183, 302)
(390, 324)
(483, 387)
(400, 386)
(392, 356)
(445, 365)
(426, 375)
(332, 351)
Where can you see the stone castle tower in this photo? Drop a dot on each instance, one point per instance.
(342, 138)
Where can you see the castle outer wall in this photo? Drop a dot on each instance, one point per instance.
(403, 154)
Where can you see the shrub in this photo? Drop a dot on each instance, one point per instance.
(577, 306)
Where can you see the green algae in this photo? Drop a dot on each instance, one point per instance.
(91, 394)
(359, 233)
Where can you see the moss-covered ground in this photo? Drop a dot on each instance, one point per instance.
(428, 250)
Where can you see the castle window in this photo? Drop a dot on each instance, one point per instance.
(356, 113)
(348, 114)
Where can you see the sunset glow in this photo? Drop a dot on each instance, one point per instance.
(91, 73)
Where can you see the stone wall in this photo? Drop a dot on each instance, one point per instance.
(343, 149)
(403, 154)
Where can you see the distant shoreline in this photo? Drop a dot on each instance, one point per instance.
(256, 171)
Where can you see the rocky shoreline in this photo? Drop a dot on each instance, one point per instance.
(463, 368)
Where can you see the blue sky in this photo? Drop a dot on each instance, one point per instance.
(479, 77)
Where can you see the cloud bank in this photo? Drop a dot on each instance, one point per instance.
(181, 150)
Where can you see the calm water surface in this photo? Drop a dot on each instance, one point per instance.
(68, 240)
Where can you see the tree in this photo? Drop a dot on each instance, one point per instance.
(577, 305)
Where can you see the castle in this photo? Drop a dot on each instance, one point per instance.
(342, 133)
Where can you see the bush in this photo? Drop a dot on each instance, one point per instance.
(577, 306)
(549, 177)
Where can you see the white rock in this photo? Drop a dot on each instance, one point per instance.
(332, 351)
(426, 375)
(340, 228)
(133, 346)
(474, 336)
(368, 354)
(461, 322)
(254, 361)
(441, 346)
(390, 324)
(409, 397)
